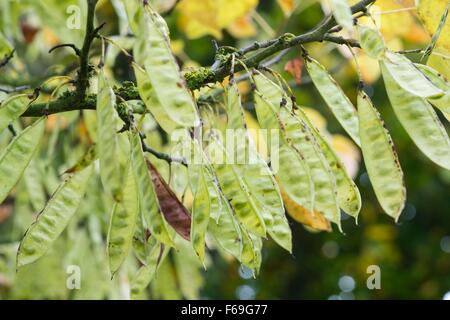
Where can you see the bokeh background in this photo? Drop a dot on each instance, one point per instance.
(413, 254)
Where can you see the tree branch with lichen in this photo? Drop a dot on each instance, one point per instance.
(251, 56)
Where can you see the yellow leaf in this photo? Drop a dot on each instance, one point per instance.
(347, 152)
(208, 17)
(288, 6)
(314, 219)
(242, 28)
(316, 118)
(430, 12)
(440, 61)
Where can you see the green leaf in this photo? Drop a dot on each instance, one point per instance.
(54, 218)
(300, 138)
(407, 76)
(107, 138)
(17, 156)
(163, 71)
(380, 159)
(371, 42)
(123, 224)
(148, 201)
(342, 13)
(419, 120)
(335, 98)
(12, 108)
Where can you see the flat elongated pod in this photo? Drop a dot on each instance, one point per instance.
(235, 190)
(107, 138)
(300, 138)
(216, 205)
(147, 272)
(270, 90)
(261, 184)
(348, 194)
(334, 97)
(201, 209)
(164, 73)
(257, 175)
(234, 109)
(380, 158)
(148, 95)
(148, 201)
(443, 102)
(371, 42)
(265, 112)
(226, 231)
(35, 186)
(408, 77)
(173, 210)
(123, 223)
(295, 177)
(420, 121)
(312, 219)
(251, 251)
(54, 218)
(16, 157)
(12, 108)
(342, 13)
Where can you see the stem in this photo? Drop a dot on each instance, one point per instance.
(83, 73)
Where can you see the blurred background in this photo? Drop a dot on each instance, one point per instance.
(413, 255)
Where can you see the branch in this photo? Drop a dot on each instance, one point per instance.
(198, 78)
(91, 33)
(271, 47)
(69, 101)
(5, 60)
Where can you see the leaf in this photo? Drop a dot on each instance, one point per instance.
(430, 12)
(226, 231)
(380, 158)
(300, 138)
(148, 201)
(35, 187)
(309, 218)
(294, 67)
(371, 42)
(173, 210)
(107, 117)
(348, 194)
(408, 77)
(271, 92)
(442, 103)
(419, 120)
(256, 174)
(54, 218)
(334, 97)
(123, 223)
(147, 272)
(12, 108)
(189, 275)
(163, 71)
(200, 216)
(147, 94)
(294, 176)
(5, 46)
(342, 13)
(235, 190)
(17, 156)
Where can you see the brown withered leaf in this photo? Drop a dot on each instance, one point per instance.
(5, 211)
(294, 67)
(173, 210)
(315, 219)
